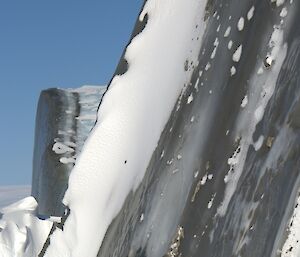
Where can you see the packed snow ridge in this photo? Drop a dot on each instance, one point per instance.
(156, 56)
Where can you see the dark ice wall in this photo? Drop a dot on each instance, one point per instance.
(63, 121)
(224, 178)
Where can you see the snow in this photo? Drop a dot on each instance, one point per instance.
(269, 61)
(244, 101)
(227, 32)
(260, 71)
(230, 43)
(207, 66)
(279, 2)
(241, 24)
(210, 203)
(87, 117)
(237, 54)
(123, 123)
(196, 174)
(232, 71)
(250, 13)
(258, 144)
(190, 98)
(283, 12)
(142, 217)
(213, 54)
(22, 234)
(203, 180)
(261, 90)
(216, 44)
(60, 148)
(67, 160)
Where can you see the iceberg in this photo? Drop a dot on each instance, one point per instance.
(63, 121)
(195, 151)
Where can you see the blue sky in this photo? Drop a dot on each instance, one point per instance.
(57, 43)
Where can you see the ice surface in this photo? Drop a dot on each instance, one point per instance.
(225, 168)
(156, 59)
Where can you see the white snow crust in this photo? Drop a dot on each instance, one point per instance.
(116, 154)
(22, 234)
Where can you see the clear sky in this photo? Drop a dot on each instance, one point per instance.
(55, 43)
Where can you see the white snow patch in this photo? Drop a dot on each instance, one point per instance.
(190, 98)
(232, 71)
(60, 148)
(207, 66)
(258, 144)
(210, 203)
(244, 101)
(283, 12)
(269, 61)
(196, 84)
(227, 32)
(162, 154)
(230, 43)
(237, 54)
(241, 24)
(67, 160)
(279, 2)
(213, 54)
(260, 71)
(250, 13)
(87, 117)
(22, 234)
(203, 180)
(142, 217)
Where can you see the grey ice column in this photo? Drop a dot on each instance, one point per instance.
(63, 121)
